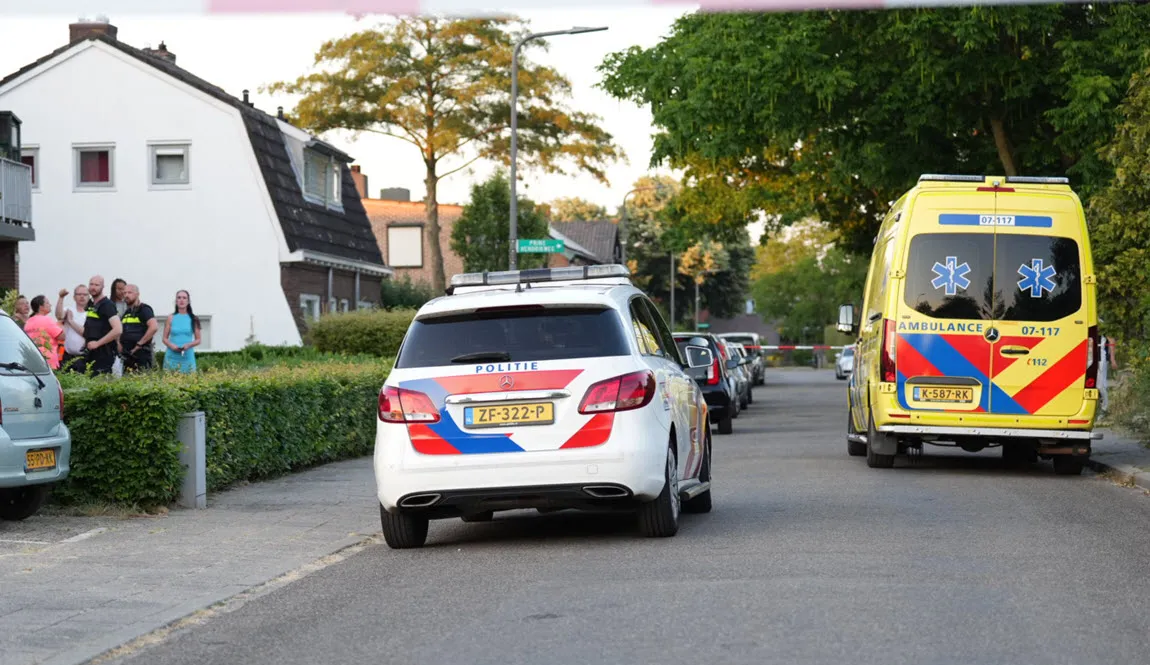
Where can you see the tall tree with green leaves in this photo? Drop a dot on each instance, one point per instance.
(443, 86)
(575, 209)
(481, 234)
(833, 114)
(1120, 222)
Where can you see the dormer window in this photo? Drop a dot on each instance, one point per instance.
(321, 179)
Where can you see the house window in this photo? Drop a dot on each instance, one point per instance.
(309, 306)
(95, 167)
(169, 164)
(31, 157)
(321, 179)
(344, 305)
(405, 246)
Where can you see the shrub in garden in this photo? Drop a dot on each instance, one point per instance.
(372, 332)
(403, 294)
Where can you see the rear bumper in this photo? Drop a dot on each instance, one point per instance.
(453, 503)
(991, 432)
(12, 458)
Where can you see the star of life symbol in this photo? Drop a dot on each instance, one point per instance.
(952, 276)
(1036, 278)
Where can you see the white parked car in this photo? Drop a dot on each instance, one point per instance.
(845, 363)
(549, 389)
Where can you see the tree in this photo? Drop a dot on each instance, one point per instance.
(575, 209)
(482, 233)
(443, 85)
(1120, 222)
(834, 114)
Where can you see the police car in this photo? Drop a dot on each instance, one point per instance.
(548, 389)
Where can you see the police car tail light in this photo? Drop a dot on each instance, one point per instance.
(889, 350)
(621, 393)
(397, 405)
(1093, 356)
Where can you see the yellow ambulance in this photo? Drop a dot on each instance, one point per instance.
(978, 325)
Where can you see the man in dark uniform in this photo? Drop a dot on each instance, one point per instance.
(101, 329)
(139, 328)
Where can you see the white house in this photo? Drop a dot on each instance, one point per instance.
(144, 171)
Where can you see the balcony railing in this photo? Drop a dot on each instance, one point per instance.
(15, 200)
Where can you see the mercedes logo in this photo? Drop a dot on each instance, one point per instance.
(992, 334)
(505, 382)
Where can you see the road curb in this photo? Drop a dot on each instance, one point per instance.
(101, 649)
(1139, 478)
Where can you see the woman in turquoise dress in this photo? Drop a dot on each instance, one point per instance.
(182, 336)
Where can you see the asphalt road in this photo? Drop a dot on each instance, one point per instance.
(808, 557)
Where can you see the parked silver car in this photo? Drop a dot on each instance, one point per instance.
(35, 444)
(845, 363)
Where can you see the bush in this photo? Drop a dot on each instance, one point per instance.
(261, 356)
(403, 294)
(371, 332)
(1130, 395)
(259, 424)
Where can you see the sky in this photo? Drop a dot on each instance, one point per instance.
(249, 51)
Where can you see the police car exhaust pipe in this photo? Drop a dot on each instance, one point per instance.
(606, 491)
(419, 500)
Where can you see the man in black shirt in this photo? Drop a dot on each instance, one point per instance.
(139, 329)
(101, 329)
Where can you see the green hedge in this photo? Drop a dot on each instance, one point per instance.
(372, 332)
(260, 424)
(260, 355)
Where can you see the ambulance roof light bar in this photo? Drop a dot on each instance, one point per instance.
(568, 274)
(942, 177)
(1036, 180)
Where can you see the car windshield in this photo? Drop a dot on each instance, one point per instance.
(526, 334)
(16, 347)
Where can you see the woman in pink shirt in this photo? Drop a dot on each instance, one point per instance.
(43, 329)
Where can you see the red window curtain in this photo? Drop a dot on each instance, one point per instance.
(94, 166)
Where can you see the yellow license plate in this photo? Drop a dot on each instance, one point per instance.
(542, 413)
(38, 460)
(942, 394)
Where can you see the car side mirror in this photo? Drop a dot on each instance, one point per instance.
(698, 357)
(846, 319)
(732, 363)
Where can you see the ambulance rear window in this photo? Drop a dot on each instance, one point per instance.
(523, 334)
(1039, 278)
(949, 275)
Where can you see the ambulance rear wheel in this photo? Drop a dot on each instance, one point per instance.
(875, 460)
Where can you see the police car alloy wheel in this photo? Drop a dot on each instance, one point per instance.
(660, 518)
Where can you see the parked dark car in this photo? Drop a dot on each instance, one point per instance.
(715, 381)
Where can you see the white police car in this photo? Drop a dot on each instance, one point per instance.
(549, 389)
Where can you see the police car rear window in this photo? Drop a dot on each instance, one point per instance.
(1034, 278)
(522, 334)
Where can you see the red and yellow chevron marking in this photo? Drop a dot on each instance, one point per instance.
(1054, 389)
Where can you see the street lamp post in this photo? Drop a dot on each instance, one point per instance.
(514, 237)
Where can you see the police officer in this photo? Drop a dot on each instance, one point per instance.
(139, 328)
(101, 329)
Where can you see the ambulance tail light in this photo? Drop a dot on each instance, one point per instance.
(397, 405)
(887, 369)
(1093, 358)
(621, 393)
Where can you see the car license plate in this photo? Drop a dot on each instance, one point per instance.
(38, 460)
(542, 413)
(942, 394)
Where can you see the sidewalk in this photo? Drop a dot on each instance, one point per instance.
(75, 587)
(1118, 453)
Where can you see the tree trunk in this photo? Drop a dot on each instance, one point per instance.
(1005, 153)
(438, 278)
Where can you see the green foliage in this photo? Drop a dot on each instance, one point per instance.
(575, 209)
(481, 234)
(369, 332)
(8, 300)
(124, 445)
(256, 356)
(443, 85)
(404, 294)
(125, 448)
(833, 114)
(1130, 397)
(1120, 222)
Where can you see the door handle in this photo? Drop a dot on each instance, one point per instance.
(1015, 351)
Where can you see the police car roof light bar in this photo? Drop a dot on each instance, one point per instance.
(942, 177)
(1037, 180)
(507, 277)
